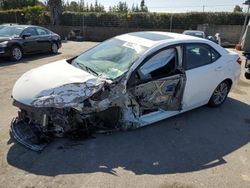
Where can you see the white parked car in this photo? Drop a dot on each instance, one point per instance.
(126, 82)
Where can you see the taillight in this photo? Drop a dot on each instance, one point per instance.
(239, 61)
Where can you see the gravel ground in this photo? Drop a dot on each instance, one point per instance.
(201, 148)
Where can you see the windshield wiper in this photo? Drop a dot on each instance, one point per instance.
(87, 68)
(91, 70)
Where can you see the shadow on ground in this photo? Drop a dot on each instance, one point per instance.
(193, 141)
(26, 59)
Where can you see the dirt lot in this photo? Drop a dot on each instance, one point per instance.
(201, 148)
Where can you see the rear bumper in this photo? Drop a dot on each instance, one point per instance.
(236, 78)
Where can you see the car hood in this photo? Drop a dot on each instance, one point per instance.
(57, 84)
(2, 39)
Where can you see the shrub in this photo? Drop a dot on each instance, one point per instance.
(152, 20)
(37, 15)
(34, 14)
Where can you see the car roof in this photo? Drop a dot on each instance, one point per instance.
(8, 24)
(154, 38)
(22, 26)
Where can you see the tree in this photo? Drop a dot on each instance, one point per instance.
(73, 6)
(237, 8)
(87, 7)
(82, 6)
(34, 14)
(96, 7)
(143, 7)
(91, 8)
(120, 7)
(55, 11)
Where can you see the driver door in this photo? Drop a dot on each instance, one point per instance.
(30, 44)
(158, 83)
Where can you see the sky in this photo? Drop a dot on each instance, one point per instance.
(180, 5)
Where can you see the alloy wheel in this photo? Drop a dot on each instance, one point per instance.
(220, 93)
(54, 48)
(17, 53)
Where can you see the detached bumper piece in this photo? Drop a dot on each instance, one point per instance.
(28, 134)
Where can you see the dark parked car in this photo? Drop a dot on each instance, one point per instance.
(7, 24)
(17, 40)
(195, 33)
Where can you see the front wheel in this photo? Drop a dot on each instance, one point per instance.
(54, 48)
(219, 95)
(16, 53)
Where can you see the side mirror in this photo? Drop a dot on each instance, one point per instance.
(24, 36)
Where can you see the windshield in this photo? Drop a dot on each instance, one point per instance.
(9, 31)
(110, 59)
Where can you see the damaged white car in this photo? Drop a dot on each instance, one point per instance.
(126, 82)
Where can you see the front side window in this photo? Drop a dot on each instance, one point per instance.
(199, 55)
(31, 31)
(160, 65)
(110, 59)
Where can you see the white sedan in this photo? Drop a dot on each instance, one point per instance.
(126, 82)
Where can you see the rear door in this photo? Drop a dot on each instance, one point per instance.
(44, 40)
(158, 83)
(204, 71)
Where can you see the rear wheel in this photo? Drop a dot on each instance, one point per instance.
(16, 53)
(220, 94)
(54, 48)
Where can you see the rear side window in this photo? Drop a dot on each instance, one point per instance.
(215, 55)
(42, 31)
(199, 55)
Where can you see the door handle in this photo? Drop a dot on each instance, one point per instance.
(218, 68)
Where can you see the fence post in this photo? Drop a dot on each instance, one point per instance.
(171, 23)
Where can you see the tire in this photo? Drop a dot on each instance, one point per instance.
(16, 53)
(54, 48)
(247, 75)
(220, 94)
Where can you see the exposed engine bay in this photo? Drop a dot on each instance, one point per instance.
(35, 128)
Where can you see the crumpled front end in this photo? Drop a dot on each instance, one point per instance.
(36, 127)
(79, 109)
(54, 104)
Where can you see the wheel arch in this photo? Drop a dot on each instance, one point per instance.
(55, 41)
(18, 45)
(229, 81)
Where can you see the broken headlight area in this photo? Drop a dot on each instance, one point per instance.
(36, 127)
